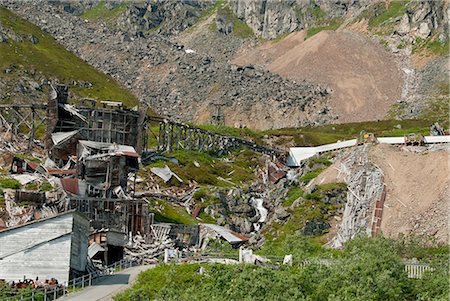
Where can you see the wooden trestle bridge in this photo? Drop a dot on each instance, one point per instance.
(26, 119)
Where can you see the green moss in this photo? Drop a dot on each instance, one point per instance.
(221, 248)
(218, 4)
(294, 193)
(319, 160)
(438, 48)
(9, 183)
(54, 61)
(212, 170)
(170, 213)
(314, 136)
(310, 175)
(95, 12)
(101, 12)
(33, 186)
(46, 186)
(383, 14)
(206, 218)
(206, 13)
(430, 45)
(314, 196)
(403, 43)
(247, 133)
(316, 12)
(240, 28)
(332, 25)
(279, 235)
(331, 186)
(200, 194)
(438, 111)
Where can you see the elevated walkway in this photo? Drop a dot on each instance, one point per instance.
(298, 154)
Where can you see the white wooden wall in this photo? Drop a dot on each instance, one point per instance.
(41, 249)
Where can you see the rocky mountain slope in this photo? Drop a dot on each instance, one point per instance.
(364, 83)
(31, 58)
(384, 60)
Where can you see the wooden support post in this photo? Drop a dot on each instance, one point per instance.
(31, 138)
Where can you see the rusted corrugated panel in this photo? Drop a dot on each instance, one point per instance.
(70, 185)
(275, 172)
(228, 235)
(196, 211)
(55, 171)
(2, 224)
(128, 154)
(32, 165)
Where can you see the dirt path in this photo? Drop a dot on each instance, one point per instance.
(417, 199)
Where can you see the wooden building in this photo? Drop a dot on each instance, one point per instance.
(54, 247)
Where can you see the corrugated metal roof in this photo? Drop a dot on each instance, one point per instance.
(44, 219)
(112, 148)
(94, 248)
(70, 185)
(228, 235)
(60, 137)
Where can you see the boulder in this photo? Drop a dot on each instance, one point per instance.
(424, 30)
(281, 214)
(315, 227)
(404, 26)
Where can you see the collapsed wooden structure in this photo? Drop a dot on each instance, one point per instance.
(110, 122)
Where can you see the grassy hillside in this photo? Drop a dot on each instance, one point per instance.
(47, 59)
(313, 136)
(101, 12)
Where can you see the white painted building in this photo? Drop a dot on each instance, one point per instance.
(53, 247)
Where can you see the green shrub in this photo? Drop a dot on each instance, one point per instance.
(294, 193)
(367, 269)
(46, 186)
(54, 61)
(383, 14)
(9, 183)
(310, 175)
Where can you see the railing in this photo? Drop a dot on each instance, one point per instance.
(49, 293)
(417, 270)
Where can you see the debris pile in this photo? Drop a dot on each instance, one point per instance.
(139, 249)
(365, 186)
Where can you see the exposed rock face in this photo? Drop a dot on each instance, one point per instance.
(270, 19)
(170, 17)
(223, 23)
(424, 17)
(267, 18)
(186, 85)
